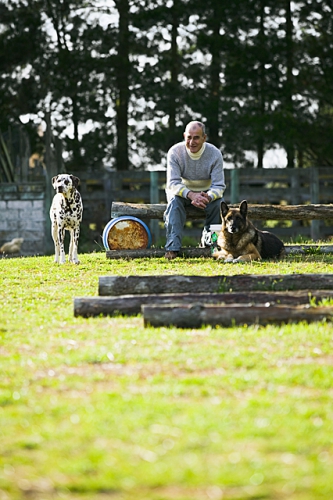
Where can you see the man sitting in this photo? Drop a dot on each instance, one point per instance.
(194, 176)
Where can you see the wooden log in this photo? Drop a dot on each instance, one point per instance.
(131, 304)
(255, 212)
(156, 252)
(195, 252)
(197, 315)
(150, 210)
(125, 285)
(308, 249)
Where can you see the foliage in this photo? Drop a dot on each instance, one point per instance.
(105, 408)
(121, 79)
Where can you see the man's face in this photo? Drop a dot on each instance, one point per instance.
(194, 138)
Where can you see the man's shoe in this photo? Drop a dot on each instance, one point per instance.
(171, 255)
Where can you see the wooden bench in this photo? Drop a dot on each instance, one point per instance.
(255, 212)
(311, 212)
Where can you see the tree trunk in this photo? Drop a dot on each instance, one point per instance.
(290, 147)
(174, 94)
(131, 304)
(215, 68)
(77, 161)
(262, 91)
(123, 69)
(124, 285)
(260, 152)
(255, 212)
(197, 315)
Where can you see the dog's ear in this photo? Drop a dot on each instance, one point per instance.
(75, 181)
(54, 180)
(243, 208)
(224, 209)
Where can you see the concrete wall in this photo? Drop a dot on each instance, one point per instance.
(23, 215)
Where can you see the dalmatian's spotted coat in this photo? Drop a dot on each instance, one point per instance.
(66, 214)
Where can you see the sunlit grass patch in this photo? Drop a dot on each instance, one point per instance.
(105, 408)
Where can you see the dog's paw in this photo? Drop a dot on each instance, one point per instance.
(239, 259)
(227, 260)
(219, 255)
(74, 260)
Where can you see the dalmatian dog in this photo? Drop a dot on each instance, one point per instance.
(66, 214)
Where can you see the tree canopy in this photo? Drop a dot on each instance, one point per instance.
(120, 79)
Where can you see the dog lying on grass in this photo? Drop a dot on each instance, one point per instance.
(240, 241)
(12, 247)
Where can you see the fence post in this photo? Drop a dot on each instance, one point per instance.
(314, 193)
(234, 186)
(50, 172)
(295, 191)
(154, 198)
(295, 186)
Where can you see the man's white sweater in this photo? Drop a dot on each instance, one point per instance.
(185, 174)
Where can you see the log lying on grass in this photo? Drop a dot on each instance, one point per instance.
(308, 249)
(156, 252)
(131, 304)
(255, 212)
(196, 315)
(125, 285)
(206, 252)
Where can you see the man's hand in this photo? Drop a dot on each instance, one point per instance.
(199, 200)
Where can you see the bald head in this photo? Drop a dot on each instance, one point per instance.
(197, 125)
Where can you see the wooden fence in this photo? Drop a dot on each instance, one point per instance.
(267, 186)
(258, 186)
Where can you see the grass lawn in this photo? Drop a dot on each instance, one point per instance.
(103, 408)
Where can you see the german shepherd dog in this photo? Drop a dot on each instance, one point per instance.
(240, 241)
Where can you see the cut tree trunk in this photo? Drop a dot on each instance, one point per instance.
(192, 252)
(156, 252)
(131, 304)
(255, 212)
(126, 285)
(196, 315)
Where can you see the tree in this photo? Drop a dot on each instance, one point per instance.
(212, 41)
(164, 42)
(21, 39)
(122, 81)
(252, 81)
(71, 76)
(316, 77)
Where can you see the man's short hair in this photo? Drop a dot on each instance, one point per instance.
(199, 124)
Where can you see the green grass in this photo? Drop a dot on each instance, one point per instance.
(103, 408)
